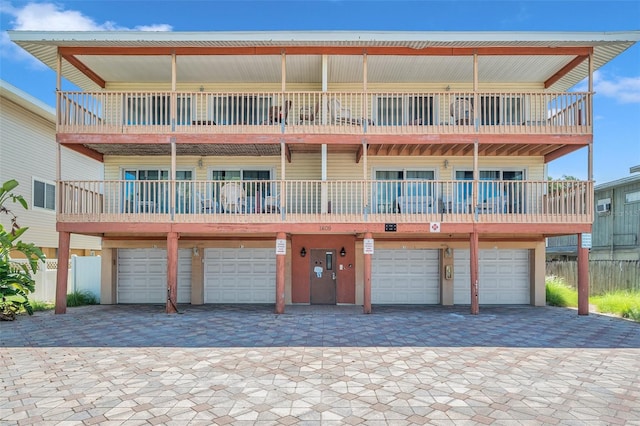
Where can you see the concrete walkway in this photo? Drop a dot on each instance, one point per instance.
(134, 365)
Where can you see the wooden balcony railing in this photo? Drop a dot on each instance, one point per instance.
(311, 201)
(330, 112)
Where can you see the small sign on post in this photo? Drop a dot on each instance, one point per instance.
(368, 246)
(586, 240)
(281, 246)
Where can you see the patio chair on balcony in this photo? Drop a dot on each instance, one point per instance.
(232, 197)
(206, 205)
(339, 114)
(278, 114)
(415, 204)
(462, 111)
(493, 205)
(272, 204)
(308, 114)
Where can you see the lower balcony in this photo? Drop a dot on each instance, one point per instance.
(340, 201)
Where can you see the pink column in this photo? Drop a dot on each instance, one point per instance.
(64, 241)
(366, 308)
(280, 276)
(583, 278)
(474, 253)
(172, 273)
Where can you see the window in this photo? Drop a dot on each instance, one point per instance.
(403, 110)
(253, 188)
(404, 188)
(494, 110)
(240, 109)
(498, 191)
(389, 111)
(148, 190)
(421, 110)
(156, 109)
(44, 195)
(632, 197)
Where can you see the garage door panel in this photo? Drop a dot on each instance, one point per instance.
(405, 277)
(503, 277)
(142, 276)
(244, 275)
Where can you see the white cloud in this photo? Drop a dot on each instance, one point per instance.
(626, 90)
(53, 17)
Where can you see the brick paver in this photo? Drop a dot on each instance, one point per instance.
(130, 365)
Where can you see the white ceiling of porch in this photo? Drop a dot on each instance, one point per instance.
(308, 68)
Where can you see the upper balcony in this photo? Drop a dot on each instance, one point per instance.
(279, 114)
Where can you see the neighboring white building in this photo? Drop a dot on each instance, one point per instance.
(28, 153)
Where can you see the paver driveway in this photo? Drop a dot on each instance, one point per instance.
(135, 365)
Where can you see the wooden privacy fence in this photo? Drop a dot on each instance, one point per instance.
(604, 275)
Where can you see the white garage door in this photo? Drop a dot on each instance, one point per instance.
(242, 275)
(142, 276)
(503, 277)
(405, 277)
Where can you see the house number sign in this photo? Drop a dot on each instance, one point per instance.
(325, 227)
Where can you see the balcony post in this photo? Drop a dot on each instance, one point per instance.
(473, 255)
(172, 273)
(366, 308)
(583, 278)
(62, 275)
(280, 274)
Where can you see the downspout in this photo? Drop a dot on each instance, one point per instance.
(365, 110)
(58, 118)
(172, 140)
(612, 226)
(324, 196)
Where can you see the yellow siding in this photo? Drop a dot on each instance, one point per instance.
(339, 166)
(534, 166)
(304, 166)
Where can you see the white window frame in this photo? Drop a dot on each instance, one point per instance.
(405, 105)
(632, 197)
(389, 204)
(46, 182)
(132, 185)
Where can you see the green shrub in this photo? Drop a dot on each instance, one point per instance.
(81, 298)
(560, 294)
(16, 279)
(623, 303)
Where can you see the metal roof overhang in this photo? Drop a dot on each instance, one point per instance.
(505, 57)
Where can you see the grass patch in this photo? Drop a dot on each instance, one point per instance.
(559, 293)
(81, 298)
(623, 303)
(41, 306)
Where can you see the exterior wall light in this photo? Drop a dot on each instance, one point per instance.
(303, 252)
(343, 252)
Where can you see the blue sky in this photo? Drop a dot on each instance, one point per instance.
(617, 85)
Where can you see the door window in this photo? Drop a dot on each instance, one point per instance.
(396, 183)
(147, 190)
